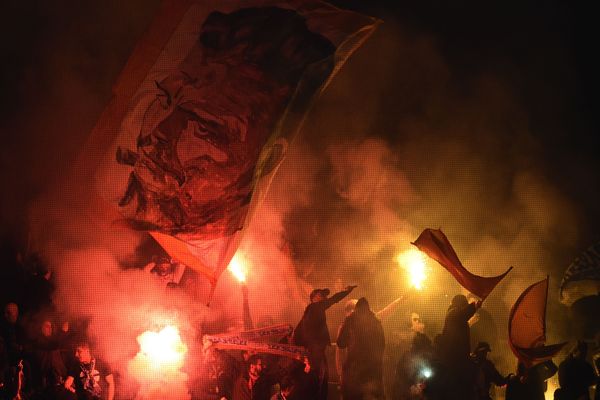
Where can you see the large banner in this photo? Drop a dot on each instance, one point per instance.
(204, 111)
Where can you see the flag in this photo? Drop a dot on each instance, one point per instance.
(527, 326)
(436, 245)
(204, 111)
(582, 277)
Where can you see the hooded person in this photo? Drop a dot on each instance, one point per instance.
(312, 333)
(362, 334)
(454, 348)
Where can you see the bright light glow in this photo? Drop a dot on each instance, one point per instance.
(413, 262)
(157, 366)
(164, 348)
(238, 267)
(552, 386)
(427, 372)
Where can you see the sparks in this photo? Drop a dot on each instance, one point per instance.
(238, 267)
(413, 262)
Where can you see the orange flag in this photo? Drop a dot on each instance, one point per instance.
(435, 244)
(527, 326)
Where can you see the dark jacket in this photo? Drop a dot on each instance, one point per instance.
(362, 334)
(312, 331)
(455, 345)
(486, 374)
(532, 385)
(575, 376)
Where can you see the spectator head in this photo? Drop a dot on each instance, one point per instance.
(163, 265)
(416, 325)
(11, 313)
(482, 349)
(362, 305)
(318, 295)
(46, 328)
(459, 301)
(83, 354)
(350, 306)
(255, 366)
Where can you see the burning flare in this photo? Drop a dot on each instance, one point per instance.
(157, 365)
(414, 263)
(238, 267)
(164, 348)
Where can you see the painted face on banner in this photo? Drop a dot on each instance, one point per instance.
(201, 137)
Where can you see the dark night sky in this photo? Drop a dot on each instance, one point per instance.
(59, 60)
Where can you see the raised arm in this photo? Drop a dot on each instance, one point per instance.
(110, 380)
(69, 383)
(389, 309)
(328, 302)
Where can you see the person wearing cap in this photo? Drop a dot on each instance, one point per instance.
(168, 272)
(312, 333)
(485, 372)
(362, 334)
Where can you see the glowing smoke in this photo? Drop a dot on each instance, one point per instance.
(414, 263)
(395, 146)
(238, 267)
(157, 366)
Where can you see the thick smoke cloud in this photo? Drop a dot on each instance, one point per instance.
(409, 136)
(455, 155)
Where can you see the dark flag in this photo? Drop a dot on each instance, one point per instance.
(204, 111)
(582, 277)
(435, 244)
(527, 326)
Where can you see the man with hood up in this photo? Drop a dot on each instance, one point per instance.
(362, 334)
(454, 348)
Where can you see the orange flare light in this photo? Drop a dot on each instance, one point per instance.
(157, 365)
(164, 349)
(414, 263)
(238, 267)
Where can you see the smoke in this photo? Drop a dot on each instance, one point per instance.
(455, 154)
(404, 139)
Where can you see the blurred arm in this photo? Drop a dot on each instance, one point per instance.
(387, 310)
(248, 325)
(111, 387)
